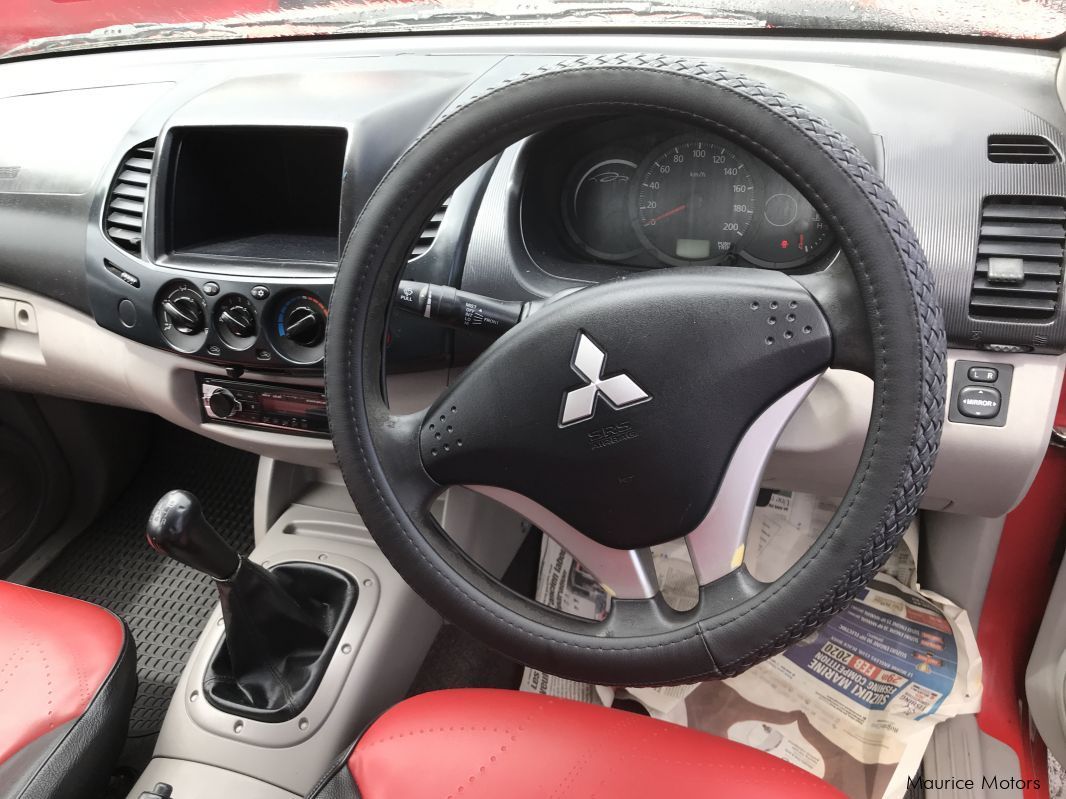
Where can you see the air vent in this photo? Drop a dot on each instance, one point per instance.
(124, 221)
(1019, 258)
(1019, 149)
(430, 231)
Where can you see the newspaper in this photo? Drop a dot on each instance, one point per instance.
(854, 703)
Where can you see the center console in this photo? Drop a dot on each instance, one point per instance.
(219, 244)
(218, 739)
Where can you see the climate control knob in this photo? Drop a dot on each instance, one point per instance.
(238, 321)
(297, 326)
(304, 325)
(181, 313)
(235, 321)
(222, 403)
(185, 314)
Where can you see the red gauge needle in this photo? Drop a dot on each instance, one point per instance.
(665, 214)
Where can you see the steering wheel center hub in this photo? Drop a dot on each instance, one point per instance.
(618, 407)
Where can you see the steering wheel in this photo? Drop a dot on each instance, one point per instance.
(689, 375)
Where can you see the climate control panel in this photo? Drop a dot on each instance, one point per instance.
(201, 320)
(226, 319)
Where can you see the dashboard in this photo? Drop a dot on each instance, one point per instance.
(201, 218)
(171, 221)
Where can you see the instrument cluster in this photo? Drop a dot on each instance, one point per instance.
(633, 192)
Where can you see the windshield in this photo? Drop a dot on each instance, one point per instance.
(43, 26)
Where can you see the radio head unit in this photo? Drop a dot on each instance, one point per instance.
(263, 405)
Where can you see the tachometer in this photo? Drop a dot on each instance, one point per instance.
(595, 209)
(694, 201)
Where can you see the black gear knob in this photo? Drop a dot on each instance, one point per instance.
(177, 528)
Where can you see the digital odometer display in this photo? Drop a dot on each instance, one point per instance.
(695, 200)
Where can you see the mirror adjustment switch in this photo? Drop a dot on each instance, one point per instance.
(980, 393)
(979, 402)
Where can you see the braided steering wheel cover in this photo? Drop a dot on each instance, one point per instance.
(728, 648)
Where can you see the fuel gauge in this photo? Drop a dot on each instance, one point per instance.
(791, 232)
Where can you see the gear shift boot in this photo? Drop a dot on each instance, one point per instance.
(278, 643)
(282, 626)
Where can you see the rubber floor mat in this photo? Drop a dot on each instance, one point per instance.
(164, 603)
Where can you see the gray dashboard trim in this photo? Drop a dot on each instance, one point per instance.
(57, 144)
(932, 104)
(71, 356)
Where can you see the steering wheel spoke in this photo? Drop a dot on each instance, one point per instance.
(837, 294)
(396, 437)
(624, 573)
(716, 545)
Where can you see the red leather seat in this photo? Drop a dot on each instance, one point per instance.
(483, 744)
(67, 682)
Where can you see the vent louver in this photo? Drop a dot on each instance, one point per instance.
(1021, 149)
(429, 232)
(124, 220)
(1019, 258)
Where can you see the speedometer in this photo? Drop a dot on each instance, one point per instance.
(695, 199)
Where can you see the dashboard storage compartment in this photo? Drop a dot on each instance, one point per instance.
(246, 192)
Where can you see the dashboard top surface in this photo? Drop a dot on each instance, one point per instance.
(921, 111)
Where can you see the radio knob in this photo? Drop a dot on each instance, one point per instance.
(222, 403)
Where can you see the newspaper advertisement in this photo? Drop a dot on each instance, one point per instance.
(854, 703)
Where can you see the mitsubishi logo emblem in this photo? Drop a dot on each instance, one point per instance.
(619, 391)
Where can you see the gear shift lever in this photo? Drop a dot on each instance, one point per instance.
(177, 528)
(282, 625)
